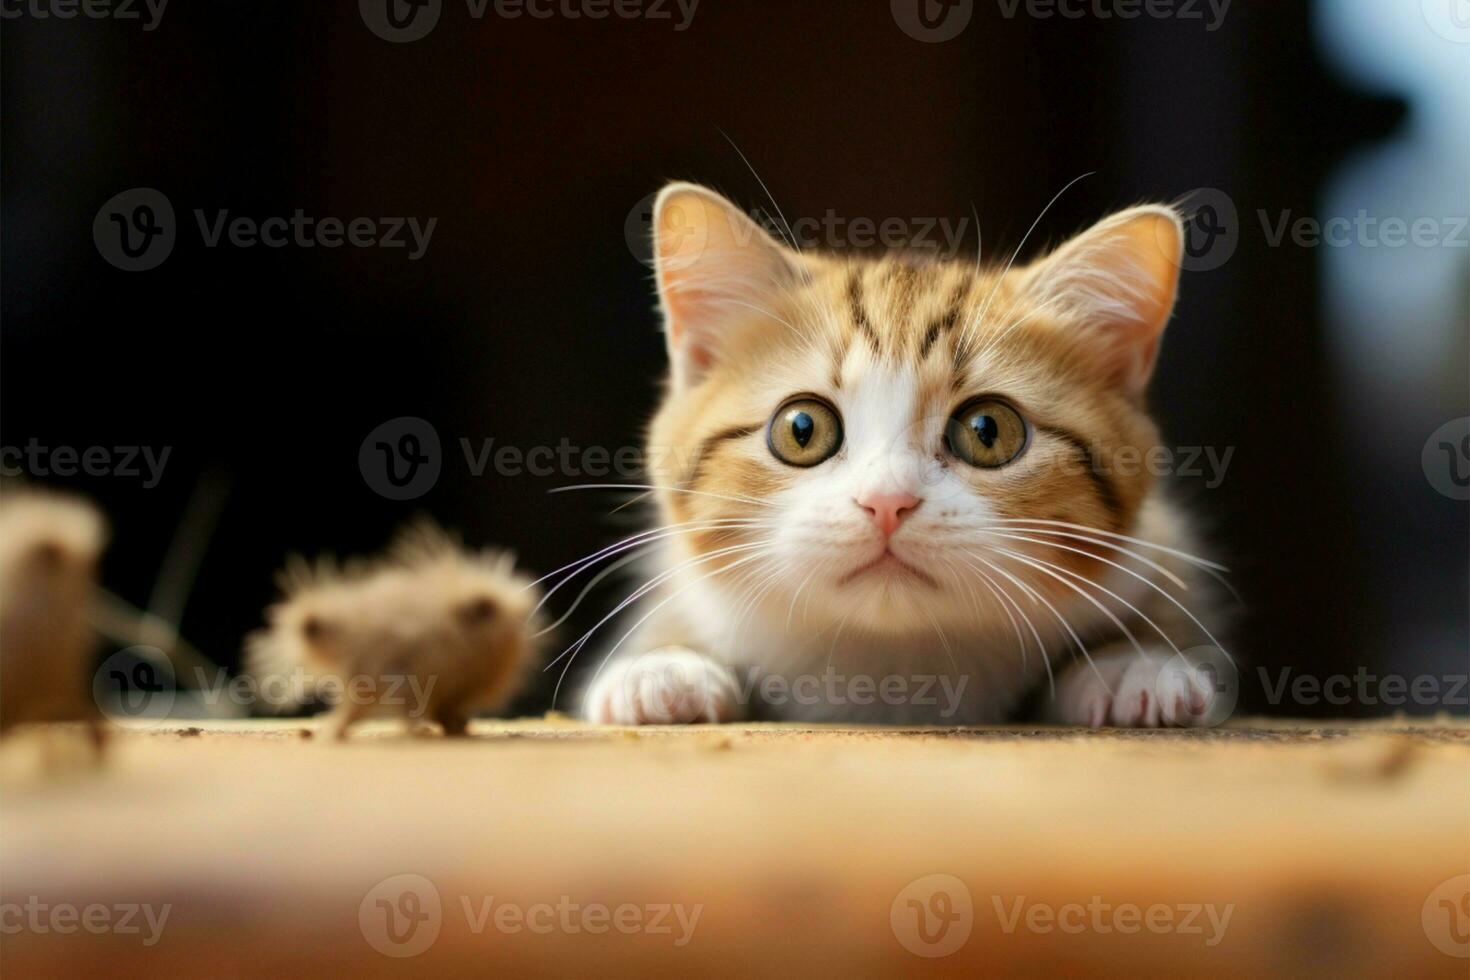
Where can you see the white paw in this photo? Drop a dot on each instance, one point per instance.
(668, 686)
(1140, 692)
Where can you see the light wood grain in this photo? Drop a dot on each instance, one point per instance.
(795, 843)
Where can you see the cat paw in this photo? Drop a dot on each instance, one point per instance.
(1136, 692)
(668, 686)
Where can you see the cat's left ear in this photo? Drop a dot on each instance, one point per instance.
(716, 270)
(1117, 280)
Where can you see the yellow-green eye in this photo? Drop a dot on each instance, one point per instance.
(804, 431)
(986, 432)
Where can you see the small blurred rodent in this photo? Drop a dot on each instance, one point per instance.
(429, 631)
(50, 544)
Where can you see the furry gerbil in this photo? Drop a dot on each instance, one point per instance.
(50, 544)
(429, 631)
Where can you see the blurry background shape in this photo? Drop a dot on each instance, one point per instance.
(1398, 321)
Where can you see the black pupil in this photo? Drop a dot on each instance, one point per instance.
(802, 428)
(985, 429)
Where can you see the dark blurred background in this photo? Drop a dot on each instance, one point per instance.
(529, 318)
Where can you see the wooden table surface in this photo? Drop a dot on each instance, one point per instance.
(547, 848)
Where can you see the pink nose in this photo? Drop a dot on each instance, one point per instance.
(888, 510)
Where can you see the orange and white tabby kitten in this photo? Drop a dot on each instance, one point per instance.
(908, 490)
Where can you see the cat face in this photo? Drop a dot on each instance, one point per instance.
(856, 434)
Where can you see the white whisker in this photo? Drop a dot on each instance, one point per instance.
(790, 236)
(980, 315)
(1083, 551)
(1192, 559)
(608, 656)
(1001, 594)
(1055, 569)
(642, 536)
(1122, 568)
(622, 562)
(647, 587)
(1038, 597)
(1041, 567)
(649, 486)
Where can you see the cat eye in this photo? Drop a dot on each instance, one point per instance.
(986, 432)
(804, 432)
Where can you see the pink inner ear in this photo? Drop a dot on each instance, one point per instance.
(715, 265)
(700, 356)
(1119, 280)
(684, 307)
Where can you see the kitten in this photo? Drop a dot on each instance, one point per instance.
(50, 544)
(432, 631)
(899, 490)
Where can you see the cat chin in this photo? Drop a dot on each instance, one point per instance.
(888, 606)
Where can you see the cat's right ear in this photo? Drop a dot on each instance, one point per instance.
(716, 271)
